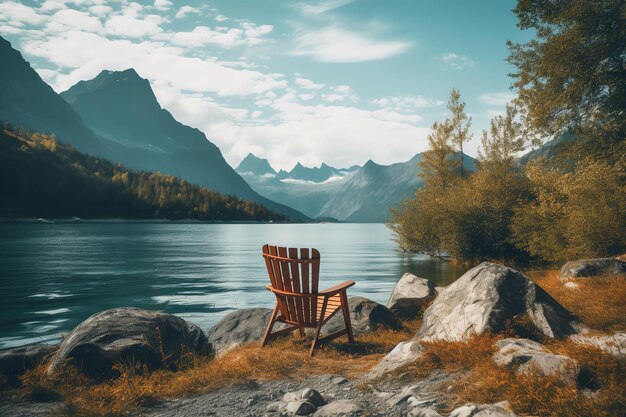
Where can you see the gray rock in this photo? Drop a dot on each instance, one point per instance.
(410, 295)
(502, 409)
(365, 315)
(239, 327)
(345, 408)
(403, 353)
(585, 268)
(485, 298)
(424, 412)
(526, 355)
(307, 394)
(612, 344)
(14, 362)
(128, 335)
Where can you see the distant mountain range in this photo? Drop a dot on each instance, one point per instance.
(355, 194)
(116, 116)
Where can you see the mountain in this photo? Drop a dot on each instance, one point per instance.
(315, 174)
(117, 117)
(363, 194)
(40, 177)
(256, 166)
(27, 101)
(548, 149)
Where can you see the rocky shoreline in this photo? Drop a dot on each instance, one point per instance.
(488, 299)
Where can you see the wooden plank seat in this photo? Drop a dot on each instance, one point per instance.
(294, 278)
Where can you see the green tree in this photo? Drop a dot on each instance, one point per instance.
(572, 76)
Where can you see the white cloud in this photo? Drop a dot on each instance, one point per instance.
(86, 54)
(16, 12)
(405, 104)
(455, 61)
(184, 11)
(248, 34)
(497, 99)
(73, 19)
(308, 84)
(315, 8)
(332, 44)
(131, 27)
(220, 18)
(101, 11)
(162, 5)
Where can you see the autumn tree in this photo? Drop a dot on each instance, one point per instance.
(460, 124)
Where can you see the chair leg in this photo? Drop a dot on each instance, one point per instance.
(301, 330)
(268, 331)
(346, 315)
(318, 329)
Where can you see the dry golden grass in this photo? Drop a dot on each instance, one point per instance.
(598, 302)
(283, 358)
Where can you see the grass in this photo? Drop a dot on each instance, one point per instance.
(597, 302)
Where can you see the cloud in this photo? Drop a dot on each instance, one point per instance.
(455, 61)
(16, 12)
(497, 99)
(332, 44)
(308, 84)
(405, 104)
(73, 19)
(86, 54)
(247, 34)
(315, 8)
(162, 5)
(186, 10)
(220, 18)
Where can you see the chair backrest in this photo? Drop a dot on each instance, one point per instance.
(297, 271)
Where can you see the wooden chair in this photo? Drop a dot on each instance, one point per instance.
(294, 275)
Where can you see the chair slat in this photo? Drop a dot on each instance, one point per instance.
(309, 317)
(315, 276)
(295, 283)
(287, 284)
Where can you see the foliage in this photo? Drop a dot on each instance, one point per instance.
(571, 77)
(460, 124)
(438, 169)
(574, 213)
(41, 177)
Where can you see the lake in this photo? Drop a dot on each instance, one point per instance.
(53, 276)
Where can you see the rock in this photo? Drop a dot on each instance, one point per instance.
(339, 380)
(128, 335)
(502, 409)
(410, 295)
(14, 362)
(239, 327)
(307, 394)
(403, 353)
(585, 268)
(345, 408)
(297, 403)
(527, 355)
(424, 412)
(365, 315)
(611, 344)
(485, 298)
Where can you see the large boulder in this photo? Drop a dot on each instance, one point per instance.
(365, 316)
(402, 354)
(239, 327)
(585, 268)
(488, 297)
(344, 408)
(410, 295)
(14, 362)
(525, 355)
(128, 335)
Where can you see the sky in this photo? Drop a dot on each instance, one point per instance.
(335, 81)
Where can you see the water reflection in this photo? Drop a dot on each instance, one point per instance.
(52, 276)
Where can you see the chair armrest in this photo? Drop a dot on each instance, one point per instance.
(336, 288)
(288, 293)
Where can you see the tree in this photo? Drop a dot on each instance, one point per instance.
(459, 124)
(504, 141)
(437, 166)
(572, 77)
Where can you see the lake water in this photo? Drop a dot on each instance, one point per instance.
(53, 276)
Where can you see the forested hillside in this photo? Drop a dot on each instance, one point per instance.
(40, 177)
